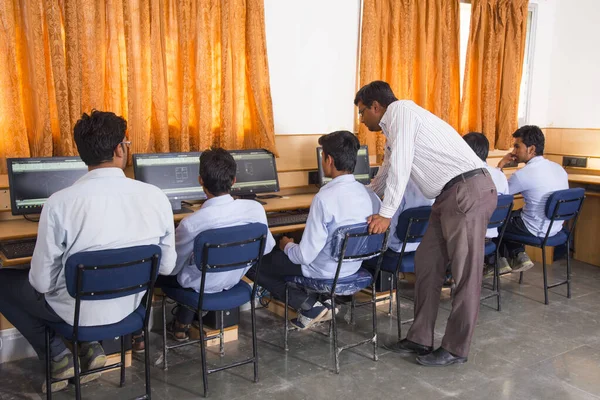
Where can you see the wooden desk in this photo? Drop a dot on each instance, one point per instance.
(588, 223)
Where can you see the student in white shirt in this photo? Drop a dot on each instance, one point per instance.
(102, 210)
(481, 146)
(342, 201)
(536, 181)
(220, 210)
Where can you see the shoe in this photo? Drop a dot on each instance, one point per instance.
(503, 266)
(91, 356)
(448, 281)
(138, 344)
(440, 358)
(179, 332)
(306, 319)
(62, 369)
(329, 315)
(522, 263)
(488, 271)
(406, 346)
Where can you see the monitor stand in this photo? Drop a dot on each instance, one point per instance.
(251, 197)
(177, 209)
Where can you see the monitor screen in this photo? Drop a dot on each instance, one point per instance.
(362, 169)
(256, 172)
(176, 174)
(33, 180)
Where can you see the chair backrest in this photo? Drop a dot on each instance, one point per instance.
(354, 243)
(231, 248)
(564, 205)
(110, 274)
(502, 211)
(412, 224)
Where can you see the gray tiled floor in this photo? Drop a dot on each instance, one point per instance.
(527, 351)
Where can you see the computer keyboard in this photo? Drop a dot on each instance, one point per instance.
(287, 218)
(17, 248)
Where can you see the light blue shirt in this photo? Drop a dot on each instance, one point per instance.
(501, 188)
(413, 197)
(218, 212)
(343, 201)
(536, 181)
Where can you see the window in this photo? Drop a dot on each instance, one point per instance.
(525, 90)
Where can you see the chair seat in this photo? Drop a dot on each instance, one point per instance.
(556, 240)
(390, 260)
(236, 296)
(133, 322)
(490, 247)
(345, 286)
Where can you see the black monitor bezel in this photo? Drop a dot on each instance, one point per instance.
(9, 167)
(321, 174)
(245, 192)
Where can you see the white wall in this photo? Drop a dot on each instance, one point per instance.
(566, 71)
(312, 47)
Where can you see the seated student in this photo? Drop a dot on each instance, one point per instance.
(342, 201)
(481, 146)
(102, 210)
(535, 181)
(220, 210)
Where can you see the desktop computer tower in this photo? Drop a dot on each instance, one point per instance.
(231, 317)
(384, 282)
(113, 345)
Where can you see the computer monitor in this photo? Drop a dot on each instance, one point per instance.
(362, 170)
(176, 174)
(256, 173)
(33, 180)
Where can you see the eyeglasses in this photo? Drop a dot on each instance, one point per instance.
(360, 112)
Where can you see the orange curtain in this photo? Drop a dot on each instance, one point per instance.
(414, 46)
(186, 74)
(493, 69)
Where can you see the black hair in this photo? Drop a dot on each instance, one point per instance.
(376, 90)
(97, 135)
(532, 135)
(343, 147)
(217, 170)
(479, 143)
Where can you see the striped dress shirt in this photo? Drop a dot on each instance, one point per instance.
(420, 146)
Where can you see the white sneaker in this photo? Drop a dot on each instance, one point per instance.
(329, 315)
(306, 319)
(522, 263)
(503, 266)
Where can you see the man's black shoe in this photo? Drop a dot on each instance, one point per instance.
(406, 346)
(440, 358)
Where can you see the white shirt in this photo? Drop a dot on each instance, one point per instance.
(420, 146)
(217, 212)
(501, 187)
(102, 210)
(536, 181)
(413, 198)
(343, 201)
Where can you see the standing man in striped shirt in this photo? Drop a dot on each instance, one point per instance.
(423, 147)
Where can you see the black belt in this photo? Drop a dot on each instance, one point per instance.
(463, 177)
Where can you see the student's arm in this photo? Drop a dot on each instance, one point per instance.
(514, 184)
(314, 237)
(184, 246)
(378, 183)
(167, 242)
(46, 262)
(262, 218)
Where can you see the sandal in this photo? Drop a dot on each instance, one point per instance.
(178, 331)
(138, 344)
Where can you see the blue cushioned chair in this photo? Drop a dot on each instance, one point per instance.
(221, 250)
(562, 205)
(349, 243)
(102, 275)
(498, 220)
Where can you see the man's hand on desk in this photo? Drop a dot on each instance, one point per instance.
(284, 241)
(378, 224)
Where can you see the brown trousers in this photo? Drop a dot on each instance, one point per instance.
(455, 236)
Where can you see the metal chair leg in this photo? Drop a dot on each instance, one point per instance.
(374, 304)
(394, 278)
(353, 306)
(221, 336)
(398, 308)
(336, 351)
(122, 382)
(497, 283)
(520, 278)
(254, 341)
(285, 317)
(164, 315)
(48, 367)
(147, 363)
(568, 270)
(77, 377)
(545, 276)
(203, 358)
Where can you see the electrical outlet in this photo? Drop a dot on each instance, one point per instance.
(313, 177)
(580, 162)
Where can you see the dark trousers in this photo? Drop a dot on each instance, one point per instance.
(273, 270)
(184, 315)
(516, 226)
(455, 236)
(28, 311)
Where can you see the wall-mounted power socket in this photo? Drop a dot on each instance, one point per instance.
(580, 162)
